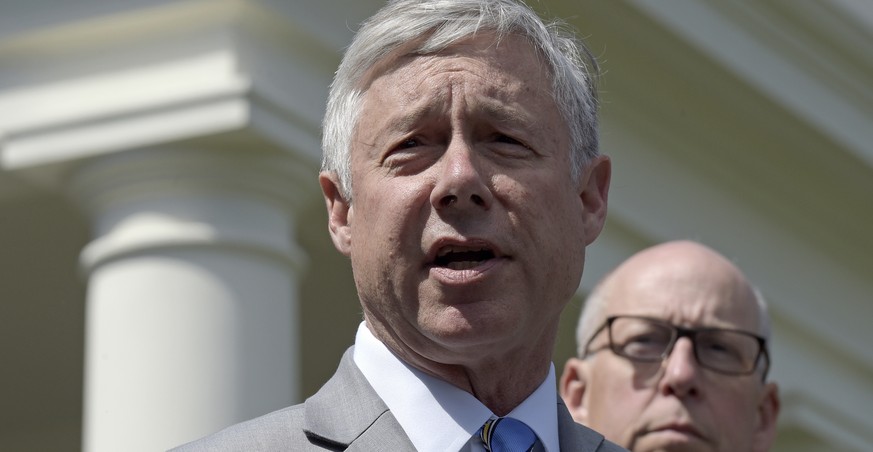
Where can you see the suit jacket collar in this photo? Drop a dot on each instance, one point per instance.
(348, 414)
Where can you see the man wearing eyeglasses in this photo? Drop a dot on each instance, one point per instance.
(673, 356)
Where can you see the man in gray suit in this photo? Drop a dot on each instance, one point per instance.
(462, 178)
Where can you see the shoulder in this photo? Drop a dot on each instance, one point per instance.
(575, 436)
(274, 431)
(312, 425)
(580, 437)
(609, 446)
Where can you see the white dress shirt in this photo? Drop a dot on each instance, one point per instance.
(438, 416)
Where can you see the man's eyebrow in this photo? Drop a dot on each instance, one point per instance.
(509, 115)
(409, 120)
(496, 111)
(505, 114)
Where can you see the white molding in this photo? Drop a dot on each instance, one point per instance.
(170, 177)
(840, 113)
(237, 69)
(858, 11)
(822, 389)
(32, 110)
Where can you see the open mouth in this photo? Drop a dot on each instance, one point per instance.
(462, 258)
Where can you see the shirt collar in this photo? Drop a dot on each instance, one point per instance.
(451, 415)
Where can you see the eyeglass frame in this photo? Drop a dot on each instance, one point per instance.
(678, 332)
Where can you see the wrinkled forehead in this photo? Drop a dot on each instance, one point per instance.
(695, 294)
(488, 46)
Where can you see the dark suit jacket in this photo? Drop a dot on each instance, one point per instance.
(346, 414)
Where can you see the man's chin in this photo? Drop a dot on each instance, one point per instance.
(669, 440)
(460, 334)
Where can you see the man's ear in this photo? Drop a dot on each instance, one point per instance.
(339, 212)
(572, 388)
(768, 412)
(594, 194)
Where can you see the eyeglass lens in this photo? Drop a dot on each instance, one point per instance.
(649, 340)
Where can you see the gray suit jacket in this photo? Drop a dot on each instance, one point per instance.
(346, 414)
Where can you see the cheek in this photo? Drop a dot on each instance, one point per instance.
(613, 401)
(550, 209)
(557, 208)
(739, 403)
(386, 203)
(387, 225)
(559, 230)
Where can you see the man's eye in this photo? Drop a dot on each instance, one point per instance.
(647, 339)
(719, 348)
(410, 156)
(507, 139)
(408, 143)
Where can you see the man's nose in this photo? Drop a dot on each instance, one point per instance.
(681, 371)
(461, 184)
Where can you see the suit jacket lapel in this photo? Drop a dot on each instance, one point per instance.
(347, 412)
(384, 434)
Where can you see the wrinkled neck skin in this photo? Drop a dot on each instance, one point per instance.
(501, 381)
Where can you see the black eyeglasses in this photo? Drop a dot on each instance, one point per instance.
(645, 339)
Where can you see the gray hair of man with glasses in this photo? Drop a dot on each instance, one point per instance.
(428, 26)
(592, 316)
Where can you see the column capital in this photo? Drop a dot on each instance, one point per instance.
(182, 197)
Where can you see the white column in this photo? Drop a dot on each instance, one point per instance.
(192, 293)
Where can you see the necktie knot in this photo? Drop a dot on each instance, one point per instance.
(506, 434)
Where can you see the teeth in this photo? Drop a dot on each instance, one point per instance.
(462, 257)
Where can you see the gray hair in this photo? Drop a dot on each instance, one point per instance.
(434, 25)
(592, 316)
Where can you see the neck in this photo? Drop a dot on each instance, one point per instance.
(500, 380)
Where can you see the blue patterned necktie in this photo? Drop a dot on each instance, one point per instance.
(506, 434)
